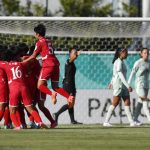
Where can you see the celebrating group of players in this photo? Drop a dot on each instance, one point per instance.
(23, 82)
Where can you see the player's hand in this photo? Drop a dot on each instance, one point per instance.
(110, 86)
(130, 89)
(24, 58)
(39, 58)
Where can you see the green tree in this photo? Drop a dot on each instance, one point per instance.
(38, 10)
(11, 7)
(130, 9)
(84, 8)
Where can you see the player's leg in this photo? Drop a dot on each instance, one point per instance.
(14, 117)
(126, 99)
(2, 109)
(138, 110)
(22, 116)
(45, 74)
(3, 100)
(36, 116)
(28, 103)
(47, 113)
(60, 111)
(143, 95)
(7, 120)
(41, 97)
(71, 114)
(61, 91)
(115, 102)
(13, 105)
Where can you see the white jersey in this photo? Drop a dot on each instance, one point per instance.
(119, 75)
(141, 70)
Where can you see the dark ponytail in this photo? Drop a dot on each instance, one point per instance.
(117, 53)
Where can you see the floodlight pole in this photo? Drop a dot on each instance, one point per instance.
(46, 8)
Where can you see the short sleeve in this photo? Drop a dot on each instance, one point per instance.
(2, 64)
(38, 48)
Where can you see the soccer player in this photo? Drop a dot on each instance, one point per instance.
(4, 92)
(18, 89)
(50, 66)
(141, 71)
(69, 84)
(120, 86)
(38, 96)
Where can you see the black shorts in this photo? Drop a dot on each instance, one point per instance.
(70, 89)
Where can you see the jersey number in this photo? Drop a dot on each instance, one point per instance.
(51, 49)
(16, 73)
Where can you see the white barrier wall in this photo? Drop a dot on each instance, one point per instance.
(91, 107)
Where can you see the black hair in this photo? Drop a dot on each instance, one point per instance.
(72, 50)
(23, 48)
(9, 55)
(2, 50)
(32, 48)
(40, 29)
(117, 54)
(143, 49)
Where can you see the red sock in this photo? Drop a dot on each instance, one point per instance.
(7, 119)
(1, 114)
(62, 92)
(45, 89)
(36, 116)
(47, 113)
(31, 118)
(15, 120)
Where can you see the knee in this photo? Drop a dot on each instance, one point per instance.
(115, 104)
(12, 110)
(127, 103)
(2, 107)
(143, 98)
(30, 109)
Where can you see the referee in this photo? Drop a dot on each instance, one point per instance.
(69, 85)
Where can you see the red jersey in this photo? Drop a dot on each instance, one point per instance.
(4, 92)
(45, 49)
(33, 73)
(15, 71)
(3, 78)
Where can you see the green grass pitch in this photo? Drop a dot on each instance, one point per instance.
(78, 137)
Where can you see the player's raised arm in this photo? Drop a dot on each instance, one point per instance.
(33, 56)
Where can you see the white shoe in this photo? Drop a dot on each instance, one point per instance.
(138, 123)
(107, 124)
(133, 124)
